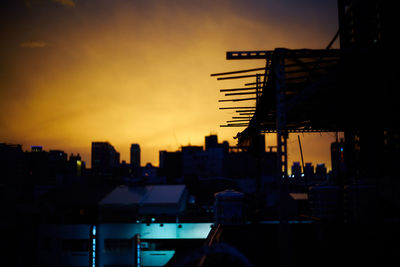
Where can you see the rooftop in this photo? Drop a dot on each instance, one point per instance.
(142, 195)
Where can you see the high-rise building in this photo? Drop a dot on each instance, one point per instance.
(211, 141)
(76, 164)
(135, 159)
(11, 165)
(135, 155)
(104, 158)
(309, 170)
(171, 165)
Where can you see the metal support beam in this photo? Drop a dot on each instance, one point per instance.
(237, 108)
(235, 125)
(237, 89)
(238, 120)
(237, 77)
(243, 110)
(282, 135)
(236, 100)
(258, 89)
(236, 72)
(243, 93)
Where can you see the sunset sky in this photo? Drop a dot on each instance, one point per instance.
(138, 71)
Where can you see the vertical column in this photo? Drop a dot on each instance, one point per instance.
(258, 84)
(282, 147)
(282, 135)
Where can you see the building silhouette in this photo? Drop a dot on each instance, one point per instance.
(320, 172)
(105, 159)
(211, 141)
(349, 90)
(170, 165)
(135, 159)
(217, 160)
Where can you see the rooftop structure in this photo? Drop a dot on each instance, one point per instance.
(346, 90)
(133, 203)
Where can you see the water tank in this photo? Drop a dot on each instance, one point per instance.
(229, 207)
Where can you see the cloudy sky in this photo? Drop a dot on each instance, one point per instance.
(138, 71)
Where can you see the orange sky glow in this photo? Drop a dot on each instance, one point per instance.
(73, 72)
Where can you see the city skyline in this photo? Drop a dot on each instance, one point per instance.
(139, 72)
(88, 161)
(198, 133)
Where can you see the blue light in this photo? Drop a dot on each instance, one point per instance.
(138, 255)
(341, 149)
(94, 246)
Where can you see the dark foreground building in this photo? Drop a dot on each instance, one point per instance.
(349, 90)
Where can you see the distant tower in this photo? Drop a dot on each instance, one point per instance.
(309, 170)
(211, 141)
(320, 171)
(135, 158)
(104, 158)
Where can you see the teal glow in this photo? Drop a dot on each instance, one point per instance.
(94, 246)
(174, 231)
(156, 258)
(154, 231)
(138, 255)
